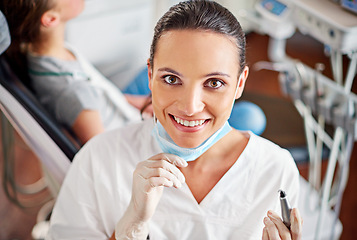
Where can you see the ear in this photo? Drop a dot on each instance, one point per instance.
(149, 74)
(241, 82)
(50, 18)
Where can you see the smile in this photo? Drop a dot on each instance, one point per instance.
(187, 123)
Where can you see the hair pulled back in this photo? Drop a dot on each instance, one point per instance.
(24, 20)
(200, 15)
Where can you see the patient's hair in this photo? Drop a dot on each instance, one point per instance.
(201, 15)
(24, 17)
(24, 20)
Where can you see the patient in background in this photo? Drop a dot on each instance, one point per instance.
(69, 87)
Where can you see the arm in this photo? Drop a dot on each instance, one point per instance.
(136, 100)
(149, 179)
(139, 102)
(87, 125)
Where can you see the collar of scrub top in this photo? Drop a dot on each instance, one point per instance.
(4, 34)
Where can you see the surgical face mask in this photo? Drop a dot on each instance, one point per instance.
(167, 145)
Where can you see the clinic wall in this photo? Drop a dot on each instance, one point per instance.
(115, 35)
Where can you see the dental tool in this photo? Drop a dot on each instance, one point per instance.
(285, 209)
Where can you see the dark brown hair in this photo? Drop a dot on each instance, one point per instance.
(24, 17)
(24, 20)
(201, 15)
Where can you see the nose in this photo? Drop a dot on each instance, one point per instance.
(191, 101)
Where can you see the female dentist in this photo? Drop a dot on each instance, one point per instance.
(186, 174)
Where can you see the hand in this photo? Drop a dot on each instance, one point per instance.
(275, 228)
(149, 179)
(140, 102)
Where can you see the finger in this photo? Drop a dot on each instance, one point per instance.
(159, 181)
(296, 224)
(271, 229)
(150, 165)
(174, 159)
(282, 229)
(148, 184)
(169, 175)
(161, 169)
(265, 234)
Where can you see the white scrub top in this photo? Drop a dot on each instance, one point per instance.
(97, 190)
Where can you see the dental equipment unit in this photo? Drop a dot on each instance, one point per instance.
(319, 99)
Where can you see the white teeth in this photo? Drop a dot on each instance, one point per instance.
(189, 123)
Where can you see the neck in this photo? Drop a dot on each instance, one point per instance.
(51, 43)
(229, 147)
(206, 171)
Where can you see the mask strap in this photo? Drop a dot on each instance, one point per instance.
(235, 93)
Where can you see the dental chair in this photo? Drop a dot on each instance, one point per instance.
(54, 146)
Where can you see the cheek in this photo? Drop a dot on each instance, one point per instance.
(223, 111)
(77, 6)
(220, 105)
(161, 98)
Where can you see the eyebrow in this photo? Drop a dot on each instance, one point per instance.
(218, 74)
(166, 69)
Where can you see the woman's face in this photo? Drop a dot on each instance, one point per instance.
(194, 81)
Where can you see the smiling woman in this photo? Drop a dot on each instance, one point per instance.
(189, 94)
(186, 174)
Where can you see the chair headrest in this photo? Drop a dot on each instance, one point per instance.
(4, 34)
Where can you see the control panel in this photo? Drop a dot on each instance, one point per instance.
(328, 22)
(276, 18)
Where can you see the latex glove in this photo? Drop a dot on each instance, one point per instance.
(275, 228)
(149, 179)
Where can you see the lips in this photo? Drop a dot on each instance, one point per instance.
(187, 123)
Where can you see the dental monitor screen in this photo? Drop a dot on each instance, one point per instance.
(350, 5)
(273, 6)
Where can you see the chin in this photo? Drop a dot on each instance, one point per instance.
(186, 142)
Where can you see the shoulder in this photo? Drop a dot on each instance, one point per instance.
(132, 132)
(132, 138)
(114, 154)
(272, 168)
(81, 59)
(268, 155)
(51, 75)
(269, 148)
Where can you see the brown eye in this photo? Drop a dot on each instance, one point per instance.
(214, 83)
(171, 79)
